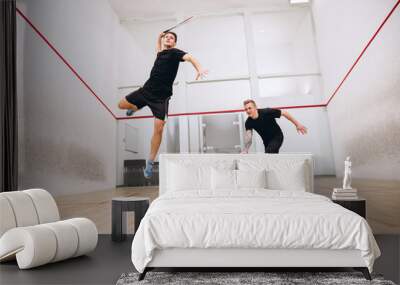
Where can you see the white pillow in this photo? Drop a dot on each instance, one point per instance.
(287, 176)
(193, 174)
(223, 179)
(283, 174)
(251, 178)
(183, 177)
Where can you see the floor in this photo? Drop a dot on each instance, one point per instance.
(111, 259)
(383, 200)
(103, 266)
(97, 205)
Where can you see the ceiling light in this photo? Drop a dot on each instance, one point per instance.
(294, 2)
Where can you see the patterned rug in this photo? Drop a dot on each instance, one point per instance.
(243, 278)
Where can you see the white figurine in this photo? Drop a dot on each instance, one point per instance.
(347, 174)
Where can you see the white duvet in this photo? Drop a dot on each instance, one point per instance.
(252, 218)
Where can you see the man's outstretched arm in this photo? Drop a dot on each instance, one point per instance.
(200, 71)
(299, 127)
(248, 139)
(159, 44)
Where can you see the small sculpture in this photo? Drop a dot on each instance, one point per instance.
(347, 174)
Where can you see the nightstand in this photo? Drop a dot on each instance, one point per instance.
(358, 206)
(139, 205)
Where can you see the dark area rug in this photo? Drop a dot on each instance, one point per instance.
(273, 278)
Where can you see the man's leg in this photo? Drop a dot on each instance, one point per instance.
(156, 139)
(125, 105)
(133, 101)
(155, 146)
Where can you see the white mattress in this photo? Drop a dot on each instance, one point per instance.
(252, 218)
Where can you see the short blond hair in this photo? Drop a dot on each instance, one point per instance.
(248, 101)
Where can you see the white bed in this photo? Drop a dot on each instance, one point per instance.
(255, 210)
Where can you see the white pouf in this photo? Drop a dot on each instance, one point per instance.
(31, 233)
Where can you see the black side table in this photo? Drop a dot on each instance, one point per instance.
(358, 206)
(139, 205)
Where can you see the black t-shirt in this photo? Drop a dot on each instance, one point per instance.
(265, 125)
(163, 73)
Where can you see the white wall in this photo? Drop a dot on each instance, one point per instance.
(364, 115)
(69, 138)
(269, 56)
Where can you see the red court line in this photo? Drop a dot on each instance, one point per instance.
(209, 112)
(65, 61)
(183, 114)
(363, 51)
(220, 112)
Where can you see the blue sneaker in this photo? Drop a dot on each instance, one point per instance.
(148, 171)
(129, 112)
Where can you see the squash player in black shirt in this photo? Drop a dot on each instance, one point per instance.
(263, 121)
(157, 90)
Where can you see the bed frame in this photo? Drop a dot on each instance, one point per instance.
(242, 259)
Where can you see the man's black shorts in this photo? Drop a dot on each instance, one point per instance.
(273, 145)
(140, 99)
